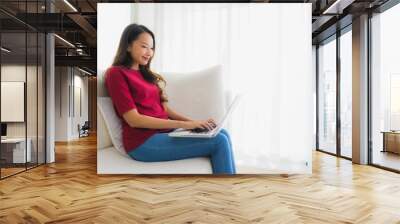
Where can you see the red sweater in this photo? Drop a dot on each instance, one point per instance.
(129, 90)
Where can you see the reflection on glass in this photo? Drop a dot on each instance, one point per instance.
(31, 101)
(32, 83)
(41, 98)
(395, 101)
(13, 85)
(327, 97)
(386, 89)
(22, 90)
(346, 94)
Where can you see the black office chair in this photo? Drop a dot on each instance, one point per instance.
(84, 130)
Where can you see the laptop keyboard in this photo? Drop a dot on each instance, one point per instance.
(201, 130)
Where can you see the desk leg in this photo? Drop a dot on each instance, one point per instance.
(384, 143)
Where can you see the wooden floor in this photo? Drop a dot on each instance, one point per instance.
(5, 172)
(10, 171)
(387, 159)
(70, 191)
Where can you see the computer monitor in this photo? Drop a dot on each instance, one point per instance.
(3, 129)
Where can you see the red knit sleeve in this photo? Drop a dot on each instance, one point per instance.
(119, 91)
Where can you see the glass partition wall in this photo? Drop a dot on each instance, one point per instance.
(334, 99)
(334, 80)
(385, 90)
(22, 77)
(346, 95)
(327, 95)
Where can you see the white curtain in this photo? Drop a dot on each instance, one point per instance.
(265, 50)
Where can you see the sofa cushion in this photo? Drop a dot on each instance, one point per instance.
(109, 161)
(103, 136)
(112, 122)
(198, 94)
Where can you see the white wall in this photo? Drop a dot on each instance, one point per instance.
(61, 103)
(34, 125)
(67, 80)
(314, 73)
(14, 72)
(121, 17)
(80, 83)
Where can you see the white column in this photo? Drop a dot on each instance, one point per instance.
(50, 92)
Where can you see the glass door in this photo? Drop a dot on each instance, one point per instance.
(327, 96)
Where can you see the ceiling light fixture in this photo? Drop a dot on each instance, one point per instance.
(70, 5)
(64, 40)
(337, 7)
(84, 71)
(5, 50)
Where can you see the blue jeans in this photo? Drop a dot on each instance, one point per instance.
(161, 147)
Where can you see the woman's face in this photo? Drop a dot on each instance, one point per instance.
(141, 49)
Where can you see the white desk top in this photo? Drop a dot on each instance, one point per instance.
(13, 140)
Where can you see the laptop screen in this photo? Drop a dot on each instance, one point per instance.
(230, 110)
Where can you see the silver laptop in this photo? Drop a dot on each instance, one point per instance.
(184, 133)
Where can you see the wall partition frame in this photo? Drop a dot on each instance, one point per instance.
(23, 89)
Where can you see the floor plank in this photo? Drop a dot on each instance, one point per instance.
(70, 191)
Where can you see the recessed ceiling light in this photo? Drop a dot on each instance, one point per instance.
(5, 50)
(64, 40)
(338, 6)
(70, 5)
(84, 71)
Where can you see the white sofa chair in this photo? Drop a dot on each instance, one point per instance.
(198, 95)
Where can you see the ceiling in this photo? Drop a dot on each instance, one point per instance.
(76, 22)
(76, 25)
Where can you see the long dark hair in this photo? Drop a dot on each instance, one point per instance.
(123, 57)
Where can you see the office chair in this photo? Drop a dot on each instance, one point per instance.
(84, 130)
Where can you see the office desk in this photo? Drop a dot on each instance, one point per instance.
(391, 141)
(13, 150)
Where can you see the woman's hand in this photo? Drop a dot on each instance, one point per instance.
(208, 124)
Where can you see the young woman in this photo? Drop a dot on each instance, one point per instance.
(140, 101)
